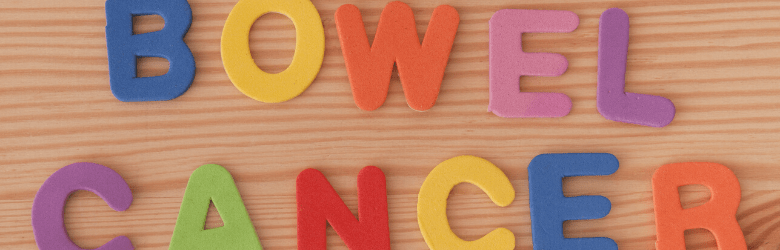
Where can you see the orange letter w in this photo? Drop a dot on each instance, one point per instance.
(420, 67)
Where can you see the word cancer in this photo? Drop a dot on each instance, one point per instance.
(318, 204)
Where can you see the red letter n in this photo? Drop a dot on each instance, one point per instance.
(717, 215)
(318, 202)
(420, 67)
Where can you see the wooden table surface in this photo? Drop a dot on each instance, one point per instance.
(718, 61)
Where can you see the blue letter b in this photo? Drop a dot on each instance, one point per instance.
(124, 48)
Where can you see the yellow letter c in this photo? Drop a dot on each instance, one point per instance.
(432, 202)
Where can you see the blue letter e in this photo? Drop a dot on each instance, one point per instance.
(124, 48)
(549, 208)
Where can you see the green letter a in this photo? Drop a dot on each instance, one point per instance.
(213, 183)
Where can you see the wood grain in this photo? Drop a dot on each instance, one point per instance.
(717, 60)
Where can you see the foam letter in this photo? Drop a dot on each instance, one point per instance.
(306, 62)
(213, 183)
(549, 208)
(432, 202)
(612, 101)
(508, 62)
(124, 48)
(420, 67)
(318, 202)
(718, 215)
(49, 204)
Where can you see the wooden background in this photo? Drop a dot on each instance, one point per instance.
(717, 61)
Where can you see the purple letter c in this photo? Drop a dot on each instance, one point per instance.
(49, 204)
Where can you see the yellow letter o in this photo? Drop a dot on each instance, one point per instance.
(307, 60)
